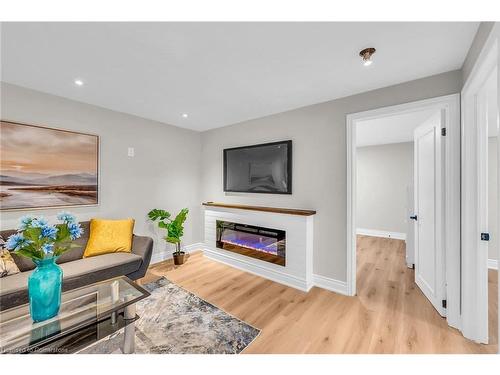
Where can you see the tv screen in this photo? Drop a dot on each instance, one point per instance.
(265, 168)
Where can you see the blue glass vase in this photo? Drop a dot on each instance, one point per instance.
(44, 289)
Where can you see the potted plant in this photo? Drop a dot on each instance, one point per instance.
(175, 229)
(43, 243)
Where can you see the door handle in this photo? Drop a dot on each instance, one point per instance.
(414, 217)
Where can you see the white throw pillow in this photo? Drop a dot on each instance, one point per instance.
(7, 265)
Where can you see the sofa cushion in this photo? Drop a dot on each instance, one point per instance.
(14, 289)
(90, 270)
(14, 283)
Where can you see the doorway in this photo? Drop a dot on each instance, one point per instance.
(441, 287)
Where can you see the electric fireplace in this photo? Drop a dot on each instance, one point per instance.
(261, 243)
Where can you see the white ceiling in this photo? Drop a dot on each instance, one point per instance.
(391, 129)
(223, 73)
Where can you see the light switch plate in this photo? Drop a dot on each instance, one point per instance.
(131, 152)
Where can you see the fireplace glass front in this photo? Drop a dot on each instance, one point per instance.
(261, 243)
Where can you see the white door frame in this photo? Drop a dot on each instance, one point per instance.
(451, 106)
(473, 257)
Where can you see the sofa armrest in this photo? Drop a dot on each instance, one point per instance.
(142, 246)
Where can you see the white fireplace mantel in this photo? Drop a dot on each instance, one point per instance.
(299, 228)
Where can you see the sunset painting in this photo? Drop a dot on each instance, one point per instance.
(43, 167)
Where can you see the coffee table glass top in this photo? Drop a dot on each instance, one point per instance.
(79, 308)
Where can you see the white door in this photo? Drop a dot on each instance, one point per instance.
(429, 249)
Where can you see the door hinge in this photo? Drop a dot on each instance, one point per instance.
(485, 236)
(443, 132)
(443, 302)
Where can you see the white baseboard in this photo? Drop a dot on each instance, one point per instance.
(199, 246)
(330, 284)
(255, 269)
(493, 264)
(381, 233)
(158, 257)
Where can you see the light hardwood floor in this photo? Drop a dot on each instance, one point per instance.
(389, 315)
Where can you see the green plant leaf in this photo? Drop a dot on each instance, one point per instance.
(28, 253)
(32, 234)
(34, 249)
(158, 214)
(175, 228)
(59, 250)
(172, 239)
(63, 233)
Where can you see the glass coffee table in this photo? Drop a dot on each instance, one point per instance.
(87, 315)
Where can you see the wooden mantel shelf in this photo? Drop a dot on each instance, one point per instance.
(288, 211)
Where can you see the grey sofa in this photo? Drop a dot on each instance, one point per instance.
(78, 271)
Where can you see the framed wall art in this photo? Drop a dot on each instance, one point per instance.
(42, 167)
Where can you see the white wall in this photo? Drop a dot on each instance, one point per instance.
(384, 174)
(492, 198)
(318, 133)
(164, 172)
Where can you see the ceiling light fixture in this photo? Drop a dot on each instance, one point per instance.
(78, 82)
(366, 54)
(185, 115)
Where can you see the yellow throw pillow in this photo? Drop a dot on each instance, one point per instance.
(109, 236)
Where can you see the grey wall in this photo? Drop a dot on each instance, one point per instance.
(164, 172)
(318, 133)
(385, 172)
(492, 198)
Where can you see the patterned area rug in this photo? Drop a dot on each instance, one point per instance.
(174, 321)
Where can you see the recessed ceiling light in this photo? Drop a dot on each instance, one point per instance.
(185, 115)
(78, 82)
(366, 54)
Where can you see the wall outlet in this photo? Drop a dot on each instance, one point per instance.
(131, 152)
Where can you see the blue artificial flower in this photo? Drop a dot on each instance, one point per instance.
(25, 222)
(48, 248)
(39, 222)
(75, 230)
(48, 232)
(17, 242)
(67, 217)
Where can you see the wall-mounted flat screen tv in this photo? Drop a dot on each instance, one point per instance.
(265, 168)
